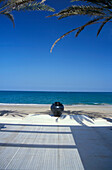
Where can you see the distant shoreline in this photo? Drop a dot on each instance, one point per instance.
(72, 105)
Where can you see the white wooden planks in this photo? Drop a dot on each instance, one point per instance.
(39, 147)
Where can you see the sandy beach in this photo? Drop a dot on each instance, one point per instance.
(23, 110)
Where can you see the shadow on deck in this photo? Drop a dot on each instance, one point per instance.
(94, 144)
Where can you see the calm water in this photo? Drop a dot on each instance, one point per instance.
(70, 98)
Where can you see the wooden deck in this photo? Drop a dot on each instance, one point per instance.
(55, 147)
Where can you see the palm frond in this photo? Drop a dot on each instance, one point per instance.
(31, 5)
(80, 10)
(95, 21)
(88, 23)
(62, 37)
(106, 2)
(102, 25)
(101, 10)
(34, 6)
(10, 16)
(22, 5)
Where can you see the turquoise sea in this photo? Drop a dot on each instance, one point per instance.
(68, 98)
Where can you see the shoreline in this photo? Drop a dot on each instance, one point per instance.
(31, 104)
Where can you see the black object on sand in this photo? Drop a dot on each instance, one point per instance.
(57, 108)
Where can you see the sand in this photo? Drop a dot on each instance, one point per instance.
(21, 111)
(89, 115)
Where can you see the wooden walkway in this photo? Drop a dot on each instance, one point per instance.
(38, 147)
(55, 147)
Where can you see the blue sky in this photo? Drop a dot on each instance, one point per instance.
(76, 64)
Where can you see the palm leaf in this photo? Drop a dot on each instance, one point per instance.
(88, 23)
(106, 4)
(30, 5)
(10, 16)
(34, 6)
(96, 1)
(78, 28)
(102, 25)
(80, 10)
(101, 10)
(62, 37)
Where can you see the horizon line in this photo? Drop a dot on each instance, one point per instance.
(55, 91)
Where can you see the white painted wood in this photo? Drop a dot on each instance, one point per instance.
(55, 147)
(38, 147)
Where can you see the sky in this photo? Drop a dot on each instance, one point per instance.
(76, 64)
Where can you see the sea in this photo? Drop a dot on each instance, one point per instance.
(67, 98)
